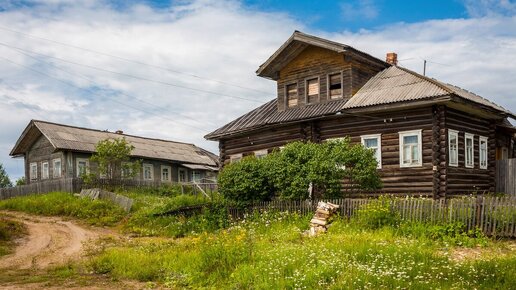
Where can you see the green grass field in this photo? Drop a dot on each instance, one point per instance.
(270, 250)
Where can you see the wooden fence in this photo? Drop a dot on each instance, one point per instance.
(75, 185)
(495, 216)
(506, 176)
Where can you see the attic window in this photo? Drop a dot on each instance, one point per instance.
(312, 91)
(291, 92)
(335, 86)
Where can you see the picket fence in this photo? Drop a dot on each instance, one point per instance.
(75, 185)
(495, 216)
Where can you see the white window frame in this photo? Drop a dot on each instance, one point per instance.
(45, 170)
(59, 172)
(179, 175)
(169, 173)
(148, 165)
(378, 155)
(483, 165)
(471, 137)
(33, 174)
(78, 161)
(194, 173)
(261, 153)
(235, 157)
(456, 134)
(126, 172)
(417, 133)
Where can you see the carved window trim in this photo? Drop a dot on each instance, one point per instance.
(469, 163)
(453, 153)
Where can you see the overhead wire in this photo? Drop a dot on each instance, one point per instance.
(131, 60)
(120, 93)
(89, 90)
(133, 76)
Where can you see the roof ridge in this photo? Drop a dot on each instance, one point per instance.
(431, 80)
(105, 131)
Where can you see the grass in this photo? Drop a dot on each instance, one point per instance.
(96, 212)
(270, 252)
(9, 231)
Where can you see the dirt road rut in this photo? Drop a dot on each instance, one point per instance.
(50, 241)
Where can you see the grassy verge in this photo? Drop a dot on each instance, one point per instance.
(270, 252)
(9, 231)
(96, 212)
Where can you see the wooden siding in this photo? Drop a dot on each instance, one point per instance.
(413, 180)
(313, 62)
(462, 180)
(42, 151)
(396, 180)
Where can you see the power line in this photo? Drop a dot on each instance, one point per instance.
(131, 60)
(121, 93)
(132, 76)
(89, 90)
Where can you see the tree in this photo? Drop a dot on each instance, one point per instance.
(20, 181)
(4, 178)
(290, 173)
(112, 157)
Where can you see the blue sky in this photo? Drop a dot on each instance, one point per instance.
(179, 69)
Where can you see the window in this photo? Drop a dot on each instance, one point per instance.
(56, 171)
(148, 172)
(235, 158)
(45, 170)
(374, 142)
(335, 86)
(196, 176)
(165, 173)
(410, 149)
(312, 91)
(468, 150)
(482, 142)
(82, 166)
(453, 147)
(127, 170)
(33, 171)
(260, 153)
(291, 93)
(181, 177)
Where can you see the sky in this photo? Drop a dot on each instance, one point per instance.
(179, 69)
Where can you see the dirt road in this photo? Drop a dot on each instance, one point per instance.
(50, 241)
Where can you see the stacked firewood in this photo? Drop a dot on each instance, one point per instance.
(322, 217)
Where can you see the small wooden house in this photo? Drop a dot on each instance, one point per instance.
(430, 138)
(54, 151)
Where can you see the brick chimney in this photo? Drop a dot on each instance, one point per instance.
(392, 58)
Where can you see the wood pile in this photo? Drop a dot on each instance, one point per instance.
(322, 217)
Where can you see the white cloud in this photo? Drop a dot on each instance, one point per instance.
(354, 10)
(482, 8)
(220, 40)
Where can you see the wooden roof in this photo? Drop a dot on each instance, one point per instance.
(64, 137)
(395, 86)
(297, 43)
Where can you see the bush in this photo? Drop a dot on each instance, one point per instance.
(451, 234)
(289, 173)
(245, 181)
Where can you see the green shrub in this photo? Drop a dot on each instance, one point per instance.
(377, 214)
(245, 181)
(451, 234)
(289, 173)
(97, 212)
(9, 231)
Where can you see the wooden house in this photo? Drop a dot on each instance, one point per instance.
(54, 151)
(430, 138)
